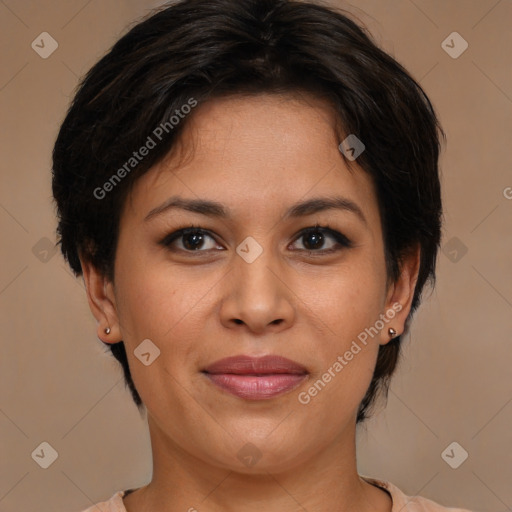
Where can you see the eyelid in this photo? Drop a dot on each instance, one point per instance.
(180, 232)
(341, 239)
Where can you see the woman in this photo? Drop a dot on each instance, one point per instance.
(250, 190)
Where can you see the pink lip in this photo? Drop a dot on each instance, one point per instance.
(256, 378)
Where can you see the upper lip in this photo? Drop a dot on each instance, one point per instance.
(248, 365)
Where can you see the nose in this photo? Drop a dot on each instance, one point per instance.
(257, 297)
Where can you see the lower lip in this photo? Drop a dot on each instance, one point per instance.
(253, 387)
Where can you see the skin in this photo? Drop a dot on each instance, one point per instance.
(257, 156)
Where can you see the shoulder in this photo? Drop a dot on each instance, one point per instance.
(404, 503)
(114, 504)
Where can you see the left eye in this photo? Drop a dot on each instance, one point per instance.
(315, 237)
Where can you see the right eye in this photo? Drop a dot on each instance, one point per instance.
(189, 239)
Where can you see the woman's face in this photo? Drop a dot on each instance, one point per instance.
(252, 284)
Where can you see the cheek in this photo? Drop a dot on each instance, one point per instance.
(172, 306)
(347, 310)
(155, 300)
(350, 298)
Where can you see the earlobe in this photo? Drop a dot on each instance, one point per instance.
(401, 294)
(101, 302)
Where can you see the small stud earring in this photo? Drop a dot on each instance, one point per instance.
(107, 330)
(392, 332)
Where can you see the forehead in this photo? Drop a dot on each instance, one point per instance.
(257, 155)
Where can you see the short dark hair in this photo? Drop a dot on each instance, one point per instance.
(196, 50)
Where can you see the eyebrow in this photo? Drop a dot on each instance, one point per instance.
(301, 209)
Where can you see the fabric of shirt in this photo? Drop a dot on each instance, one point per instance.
(401, 502)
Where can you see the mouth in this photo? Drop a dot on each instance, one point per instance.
(256, 378)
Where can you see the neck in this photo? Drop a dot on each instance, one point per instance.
(324, 481)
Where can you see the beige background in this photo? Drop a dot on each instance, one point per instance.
(57, 384)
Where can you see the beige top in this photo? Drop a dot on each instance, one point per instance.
(401, 502)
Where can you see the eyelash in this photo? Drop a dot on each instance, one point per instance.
(340, 238)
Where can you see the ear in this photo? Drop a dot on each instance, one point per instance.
(400, 294)
(100, 294)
